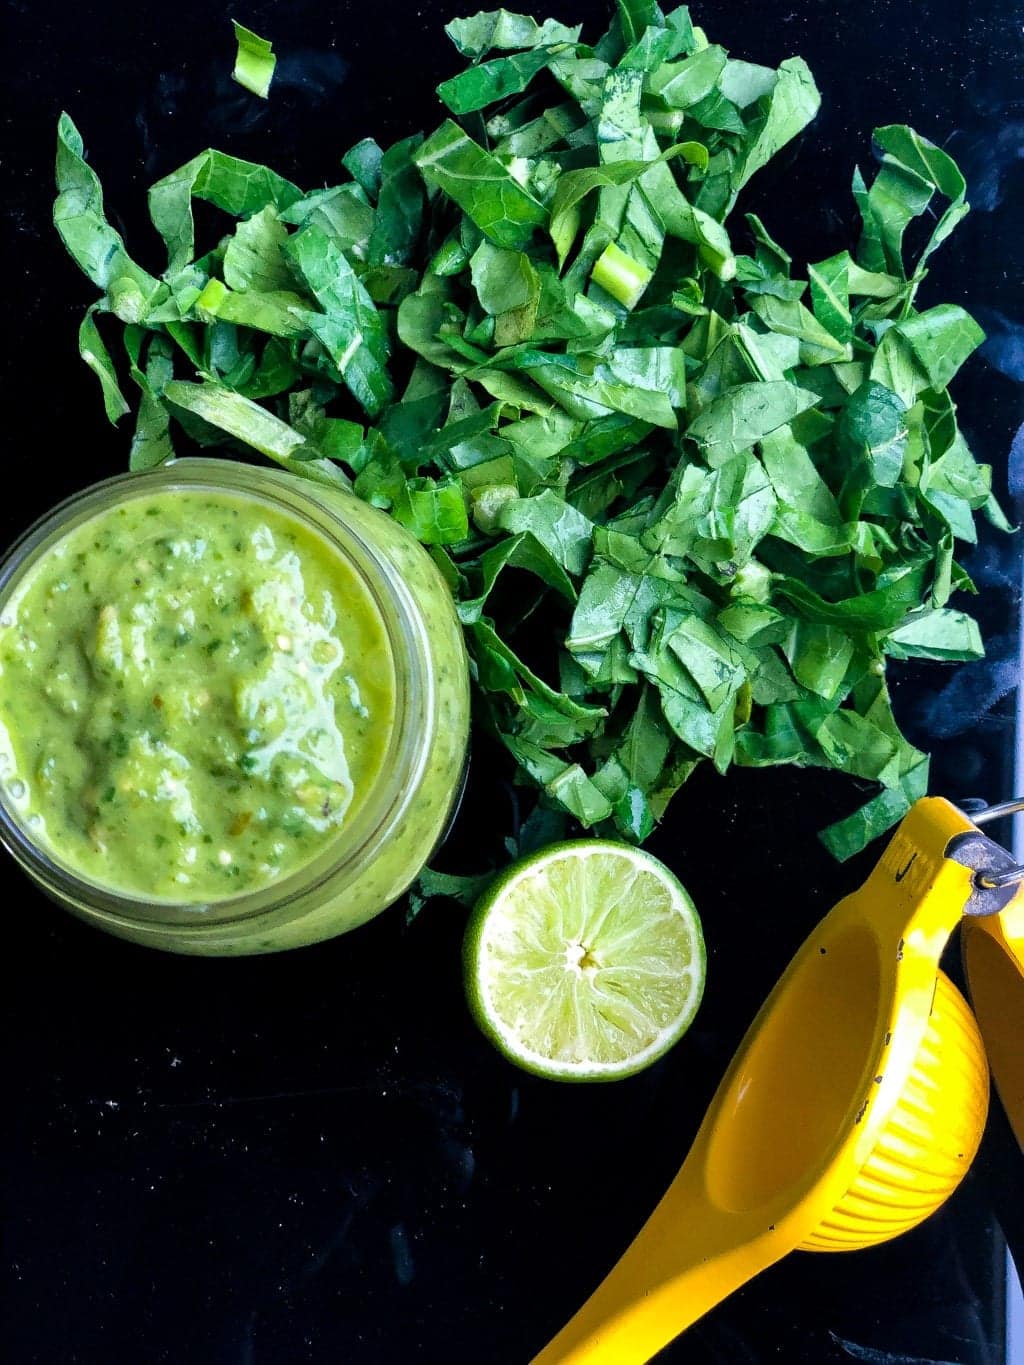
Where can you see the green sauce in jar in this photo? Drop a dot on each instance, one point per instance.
(234, 707)
(196, 695)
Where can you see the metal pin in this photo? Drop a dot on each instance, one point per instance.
(987, 813)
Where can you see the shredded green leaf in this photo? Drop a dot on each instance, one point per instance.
(255, 62)
(691, 500)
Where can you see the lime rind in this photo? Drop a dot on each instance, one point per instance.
(585, 962)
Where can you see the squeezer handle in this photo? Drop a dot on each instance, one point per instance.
(669, 1277)
(993, 953)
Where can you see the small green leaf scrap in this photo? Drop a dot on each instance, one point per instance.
(254, 62)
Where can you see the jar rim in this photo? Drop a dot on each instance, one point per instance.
(355, 844)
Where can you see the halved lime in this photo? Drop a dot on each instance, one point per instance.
(585, 962)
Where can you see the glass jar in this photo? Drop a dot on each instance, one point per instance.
(374, 858)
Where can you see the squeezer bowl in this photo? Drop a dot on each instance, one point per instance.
(929, 1138)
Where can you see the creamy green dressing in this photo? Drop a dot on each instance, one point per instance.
(196, 695)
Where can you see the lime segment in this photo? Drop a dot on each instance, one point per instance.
(585, 961)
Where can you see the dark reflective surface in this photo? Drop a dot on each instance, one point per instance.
(314, 1157)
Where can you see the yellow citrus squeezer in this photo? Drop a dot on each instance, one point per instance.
(851, 1110)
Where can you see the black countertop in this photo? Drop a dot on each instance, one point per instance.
(314, 1157)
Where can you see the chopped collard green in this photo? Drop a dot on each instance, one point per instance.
(689, 502)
